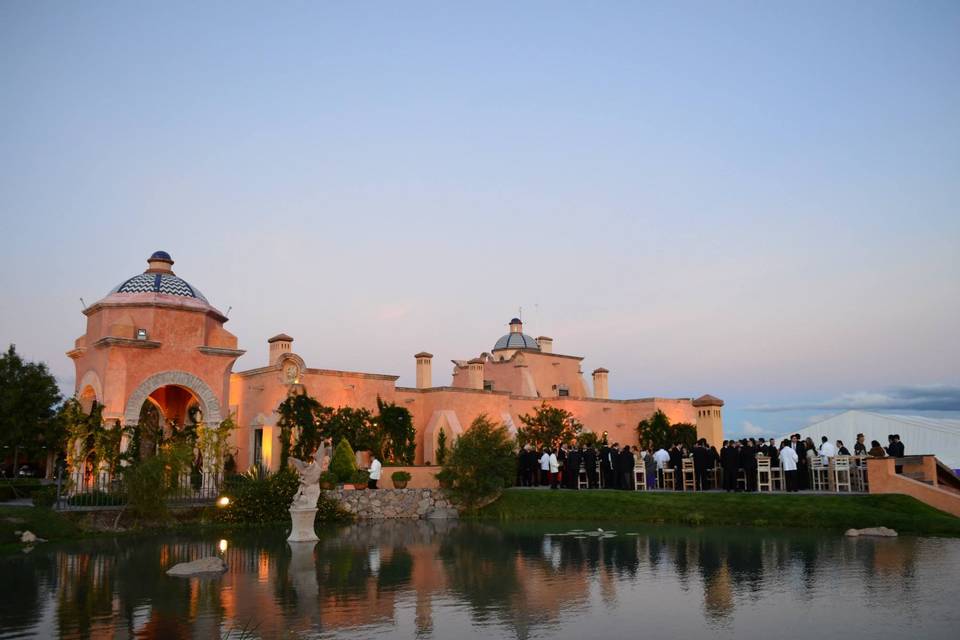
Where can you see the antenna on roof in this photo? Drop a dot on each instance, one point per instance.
(520, 313)
(84, 304)
(228, 311)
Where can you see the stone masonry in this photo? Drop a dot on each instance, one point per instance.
(381, 504)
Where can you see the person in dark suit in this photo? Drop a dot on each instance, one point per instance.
(590, 464)
(896, 448)
(748, 462)
(627, 464)
(606, 471)
(562, 459)
(572, 475)
(730, 460)
(701, 462)
(774, 453)
(676, 463)
(803, 475)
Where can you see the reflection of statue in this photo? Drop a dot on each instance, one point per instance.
(309, 492)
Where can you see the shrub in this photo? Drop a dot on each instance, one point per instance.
(360, 477)
(259, 497)
(480, 465)
(328, 477)
(329, 510)
(45, 497)
(152, 480)
(344, 461)
(400, 476)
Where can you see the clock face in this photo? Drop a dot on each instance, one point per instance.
(291, 372)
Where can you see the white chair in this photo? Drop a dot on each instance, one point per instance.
(842, 480)
(640, 477)
(764, 475)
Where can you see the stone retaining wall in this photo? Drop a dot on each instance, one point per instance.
(380, 504)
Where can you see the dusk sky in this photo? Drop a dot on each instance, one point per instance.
(757, 200)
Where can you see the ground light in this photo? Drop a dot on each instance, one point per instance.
(223, 546)
(223, 501)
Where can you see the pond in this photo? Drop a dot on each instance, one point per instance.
(472, 580)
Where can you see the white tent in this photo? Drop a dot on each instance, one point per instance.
(937, 436)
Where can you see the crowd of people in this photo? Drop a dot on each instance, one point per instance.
(615, 467)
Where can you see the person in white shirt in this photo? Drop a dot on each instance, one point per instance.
(554, 470)
(827, 450)
(662, 459)
(545, 467)
(788, 464)
(375, 470)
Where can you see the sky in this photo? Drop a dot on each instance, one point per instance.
(757, 200)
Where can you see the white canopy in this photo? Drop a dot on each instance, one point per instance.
(937, 436)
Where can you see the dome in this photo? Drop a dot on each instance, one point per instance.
(159, 278)
(159, 283)
(516, 340)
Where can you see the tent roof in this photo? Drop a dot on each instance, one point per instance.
(919, 434)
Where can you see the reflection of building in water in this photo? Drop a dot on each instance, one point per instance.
(364, 575)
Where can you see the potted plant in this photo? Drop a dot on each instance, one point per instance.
(327, 480)
(359, 479)
(400, 479)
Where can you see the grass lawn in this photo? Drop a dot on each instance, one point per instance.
(47, 524)
(903, 513)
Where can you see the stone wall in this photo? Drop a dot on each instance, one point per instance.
(380, 504)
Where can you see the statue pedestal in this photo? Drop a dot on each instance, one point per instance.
(302, 530)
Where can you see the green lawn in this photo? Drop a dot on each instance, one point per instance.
(902, 513)
(47, 524)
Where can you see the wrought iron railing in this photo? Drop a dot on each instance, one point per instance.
(102, 491)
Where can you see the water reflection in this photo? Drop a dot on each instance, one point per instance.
(443, 579)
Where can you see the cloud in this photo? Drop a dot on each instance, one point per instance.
(938, 397)
(753, 430)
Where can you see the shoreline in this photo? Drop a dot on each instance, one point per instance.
(522, 506)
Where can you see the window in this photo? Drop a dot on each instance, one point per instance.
(141, 334)
(258, 447)
(488, 385)
(562, 390)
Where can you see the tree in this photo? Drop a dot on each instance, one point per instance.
(685, 433)
(304, 414)
(344, 461)
(398, 435)
(441, 447)
(28, 405)
(657, 432)
(356, 426)
(549, 426)
(481, 464)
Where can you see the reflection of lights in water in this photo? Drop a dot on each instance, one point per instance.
(223, 546)
(224, 501)
(374, 560)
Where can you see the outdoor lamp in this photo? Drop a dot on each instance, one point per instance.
(223, 501)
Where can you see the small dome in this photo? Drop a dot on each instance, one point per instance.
(160, 256)
(516, 340)
(159, 279)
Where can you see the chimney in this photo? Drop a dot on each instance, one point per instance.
(279, 345)
(475, 373)
(546, 344)
(424, 370)
(600, 387)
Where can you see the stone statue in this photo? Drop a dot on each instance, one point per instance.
(309, 492)
(303, 507)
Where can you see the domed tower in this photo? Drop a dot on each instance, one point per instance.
(155, 349)
(510, 343)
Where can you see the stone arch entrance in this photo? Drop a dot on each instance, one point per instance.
(207, 399)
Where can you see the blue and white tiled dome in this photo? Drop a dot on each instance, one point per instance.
(159, 283)
(159, 278)
(516, 339)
